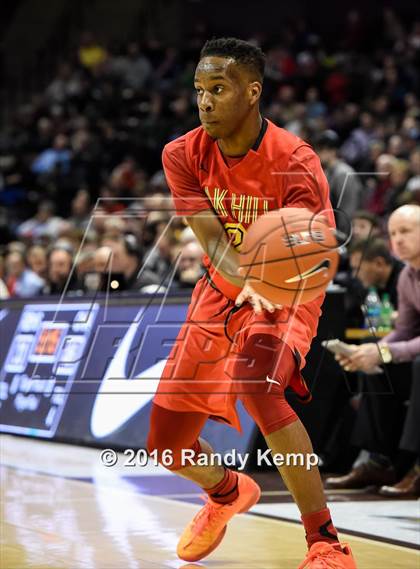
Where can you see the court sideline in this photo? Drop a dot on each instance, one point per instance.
(62, 509)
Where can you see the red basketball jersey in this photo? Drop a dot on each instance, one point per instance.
(281, 170)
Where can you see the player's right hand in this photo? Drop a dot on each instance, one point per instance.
(258, 302)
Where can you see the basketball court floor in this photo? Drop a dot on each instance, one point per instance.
(61, 508)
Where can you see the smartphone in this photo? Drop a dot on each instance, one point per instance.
(341, 348)
(338, 347)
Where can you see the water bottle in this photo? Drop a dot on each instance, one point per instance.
(372, 309)
(387, 309)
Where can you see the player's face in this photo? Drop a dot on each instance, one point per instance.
(223, 95)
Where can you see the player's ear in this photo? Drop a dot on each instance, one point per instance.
(254, 90)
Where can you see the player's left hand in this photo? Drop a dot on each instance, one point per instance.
(365, 357)
(258, 302)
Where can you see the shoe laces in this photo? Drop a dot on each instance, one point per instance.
(210, 513)
(325, 555)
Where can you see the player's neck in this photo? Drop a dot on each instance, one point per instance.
(241, 141)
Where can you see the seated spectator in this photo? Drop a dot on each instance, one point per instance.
(80, 210)
(97, 277)
(411, 192)
(55, 158)
(415, 169)
(376, 201)
(21, 282)
(345, 185)
(85, 264)
(36, 257)
(16, 246)
(411, 195)
(125, 177)
(65, 85)
(399, 176)
(134, 69)
(356, 147)
(114, 225)
(4, 293)
(127, 259)
(370, 264)
(43, 224)
(91, 53)
(158, 259)
(380, 420)
(102, 259)
(189, 268)
(373, 264)
(365, 225)
(186, 235)
(61, 275)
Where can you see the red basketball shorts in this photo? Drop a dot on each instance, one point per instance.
(224, 352)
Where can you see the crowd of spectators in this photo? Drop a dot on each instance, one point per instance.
(82, 192)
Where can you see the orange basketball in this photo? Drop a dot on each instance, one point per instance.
(289, 256)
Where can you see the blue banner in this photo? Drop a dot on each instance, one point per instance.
(86, 371)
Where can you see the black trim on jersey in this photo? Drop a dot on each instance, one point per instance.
(211, 283)
(263, 130)
(227, 319)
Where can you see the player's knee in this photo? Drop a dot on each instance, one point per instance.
(270, 411)
(286, 417)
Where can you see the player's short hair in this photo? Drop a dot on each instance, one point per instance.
(243, 52)
(372, 249)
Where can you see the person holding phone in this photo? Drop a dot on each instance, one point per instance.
(380, 420)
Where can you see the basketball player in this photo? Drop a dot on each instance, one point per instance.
(235, 343)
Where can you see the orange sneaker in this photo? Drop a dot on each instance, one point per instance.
(323, 555)
(206, 530)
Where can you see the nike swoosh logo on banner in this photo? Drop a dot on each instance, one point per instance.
(119, 397)
(3, 314)
(323, 265)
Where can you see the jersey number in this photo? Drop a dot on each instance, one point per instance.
(236, 233)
